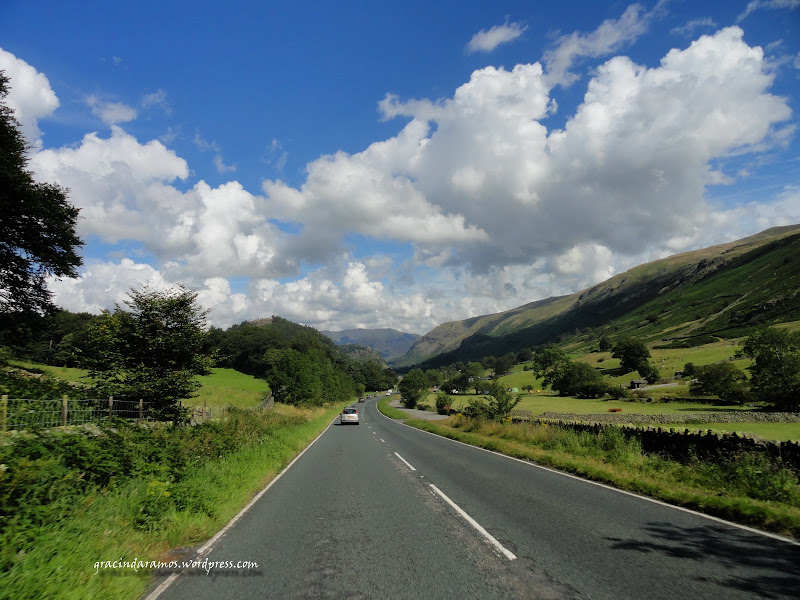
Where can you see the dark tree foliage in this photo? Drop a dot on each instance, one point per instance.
(549, 363)
(153, 351)
(725, 380)
(37, 228)
(632, 354)
(574, 379)
(413, 387)
(776, 370)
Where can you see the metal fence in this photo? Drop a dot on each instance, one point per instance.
(24, 413)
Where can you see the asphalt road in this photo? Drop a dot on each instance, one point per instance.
(351, 519)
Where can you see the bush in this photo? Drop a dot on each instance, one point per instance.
(442, 403)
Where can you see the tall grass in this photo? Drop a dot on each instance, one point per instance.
(168, 488)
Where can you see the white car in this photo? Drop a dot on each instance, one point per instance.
(349, 415)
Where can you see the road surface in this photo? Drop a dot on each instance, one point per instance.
(382, 510)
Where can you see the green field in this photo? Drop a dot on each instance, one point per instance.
(228, 387)
(221, 389)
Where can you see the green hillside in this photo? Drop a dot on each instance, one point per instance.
(685, 300)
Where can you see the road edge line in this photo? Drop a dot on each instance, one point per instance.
(768, 534)
(205, 548)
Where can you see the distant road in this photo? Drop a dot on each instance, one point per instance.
(351, 519)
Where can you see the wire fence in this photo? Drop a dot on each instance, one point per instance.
(24, 413)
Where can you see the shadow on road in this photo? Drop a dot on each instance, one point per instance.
(755, 564)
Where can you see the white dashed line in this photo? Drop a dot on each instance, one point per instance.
(405, 461)
(492, 540)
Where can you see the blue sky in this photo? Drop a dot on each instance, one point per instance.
(371, 164)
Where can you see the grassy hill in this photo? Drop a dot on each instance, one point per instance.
(723, 291)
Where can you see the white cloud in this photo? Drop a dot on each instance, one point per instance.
(612, 35)
(755, 5)
(486, 41)
(111, 113)
(157, 99)
(689, 28)
(498, 209)
(29, 96)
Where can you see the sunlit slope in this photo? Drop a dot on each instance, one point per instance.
(724, 291)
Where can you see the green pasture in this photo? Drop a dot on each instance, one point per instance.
(64, 373)
(228, 387)
(221, 389)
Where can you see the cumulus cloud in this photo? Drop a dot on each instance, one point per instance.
(29, 96)
(496, 208)
(486, 41)
(489, 186)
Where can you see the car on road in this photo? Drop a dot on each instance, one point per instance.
(361, 399)
(349, 415)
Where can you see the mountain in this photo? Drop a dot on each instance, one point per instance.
(688, 299)
(389, 343)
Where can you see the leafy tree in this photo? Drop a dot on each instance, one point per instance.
(632, 354)
(37, 228)
(413, 387)
(524, 355)
(503, 365)
(549, 363)
(775, 373)
(575, 376)
(725, 380)
(649, 372)
(153, 351)
(459, 383)
(605, 344)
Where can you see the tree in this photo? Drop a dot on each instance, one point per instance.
(151, 352)
(37, 228)
(572, 380)
(632, 354)
(725, 380)
(413, 387)
(605, 344)
(549, 363)
(775, 373)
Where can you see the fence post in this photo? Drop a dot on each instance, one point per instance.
(141, 412)
(64, 400)
(110, 406)
(3, 412)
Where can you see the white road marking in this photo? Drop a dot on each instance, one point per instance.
(405, 461)
(492, 540)
(760, 532)
(205, 548)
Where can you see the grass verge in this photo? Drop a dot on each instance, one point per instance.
(746, 490)
(51, 553)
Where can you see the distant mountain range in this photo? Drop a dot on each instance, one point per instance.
(389, 343)
(689, 299)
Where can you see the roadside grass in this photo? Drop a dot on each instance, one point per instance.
(747, 489)
(228, 387)
(153, 516)
(390, 411)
